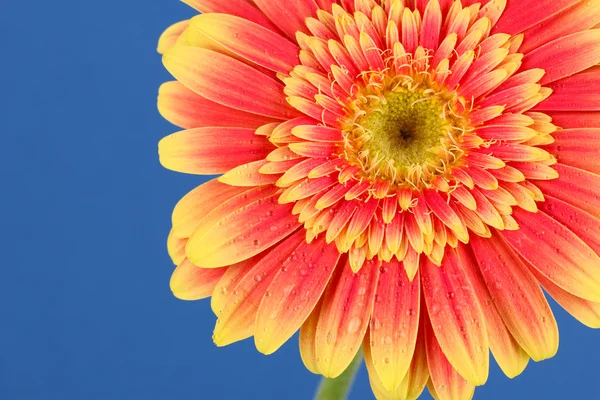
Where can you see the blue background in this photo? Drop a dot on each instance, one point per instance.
(86, 311)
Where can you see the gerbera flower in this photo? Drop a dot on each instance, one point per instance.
(402, 175)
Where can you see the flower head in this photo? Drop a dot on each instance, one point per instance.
(405, 175)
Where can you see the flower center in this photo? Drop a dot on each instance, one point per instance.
(404, 132)
(405, 127)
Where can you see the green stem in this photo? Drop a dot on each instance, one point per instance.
(338, 388)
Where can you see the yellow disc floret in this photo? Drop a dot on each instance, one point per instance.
(404, 132)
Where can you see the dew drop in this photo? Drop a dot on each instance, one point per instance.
(354, 325)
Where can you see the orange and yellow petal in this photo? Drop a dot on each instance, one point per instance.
(394, 324)
(170, 36)
(269, 49)
(189, 282)
(445, 382)
(197, 204)
(241, 228)
(238, 309)
(518, 297)
(186, 109)
(211, 150)
(557, 253)
(343, 321)
(176, 248)
(509, 355)
(221, 78)
(414, 381)
(293, 293)
(456, 317)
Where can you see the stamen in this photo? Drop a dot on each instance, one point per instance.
(404, 128)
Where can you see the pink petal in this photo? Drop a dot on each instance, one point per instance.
(522, 14)
(578, 148)
(565, 56)
(576, 187)
(197, 204)
(238, 314)
(240, 8)
(288, 16)
(212, 150)
(456, 317)
(293, 293)
(189, 282)
(394, 324)
(227, 81)
(517, 296)
(579, 17)
(241, 228)
(574, 93)
(344, 318)
(575, 119)
(182, 107)
(268, 49)
(557, 253)
(432, 23)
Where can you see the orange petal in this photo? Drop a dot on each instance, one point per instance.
(317, 133)
(446, 382)
(268, 49)
(332, 196)
(307, 339)
(414, 381)
(557, 253)
(170, 35)
(486, 211)
(446, 214)
(314, 149)
(212, 150)
(189, 282)
(587, 312)
(299, 171)
(198, 203)
(249, 175)
(576, 187)
(307, 188)
(518, 152)
(566, 55)
(511, 357)
(176, 248)
(182, 107)
(432, 23)
(456, 317)
(394, 324)
(229, 281)
(293, 293)
(288, 16)
(582, 224)
(578, 148)
(517, 296)
(241, 228)
(240, 8)
(524, 14)
(362, 219)
(228, 81)
(342, 216)
(237, 316)
(344, 317)
(572, 94)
